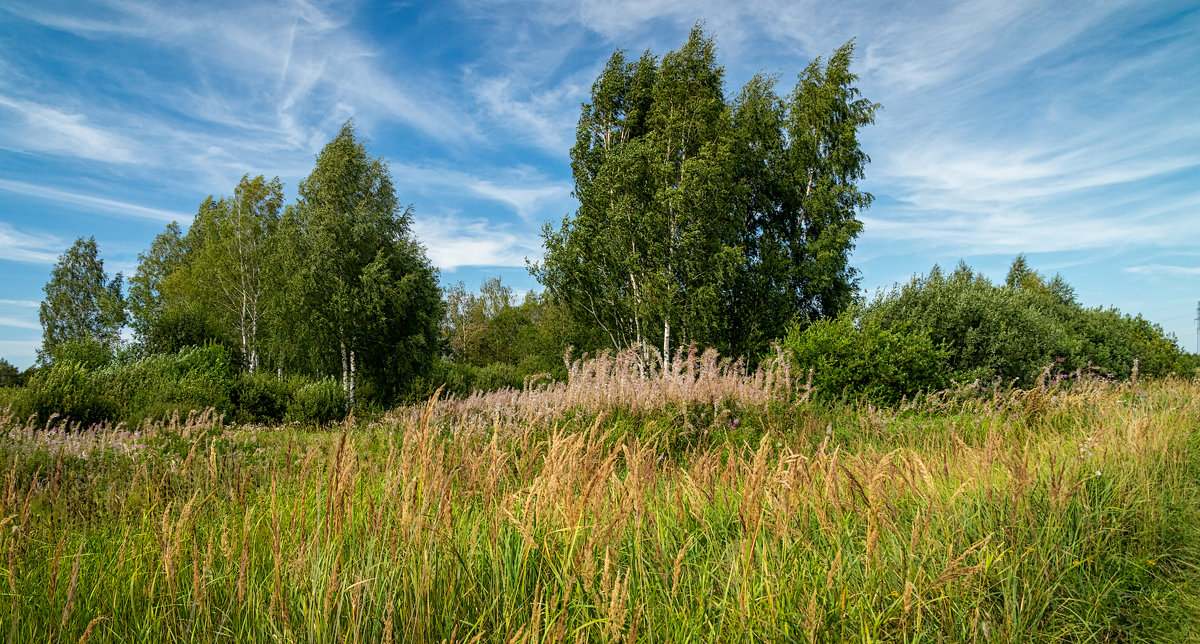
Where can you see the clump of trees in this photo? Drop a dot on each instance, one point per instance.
(705, 218)
(261, 310)
(708, 219)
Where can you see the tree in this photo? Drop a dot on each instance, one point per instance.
(156, 318)
(10, 376)
(826, 161)
(369, 295)
(704, 220)
(230, 253)
(82, 304)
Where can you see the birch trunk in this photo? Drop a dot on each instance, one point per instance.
(345, 372)
(350, 399)
(666, 345)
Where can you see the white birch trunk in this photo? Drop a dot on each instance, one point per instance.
(350, 400)
(666, 345)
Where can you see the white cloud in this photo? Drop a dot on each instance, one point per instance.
(1165, 270)
(41, 128)
(19, 323)
(110, 206)
(454, 241)
(28, 304)
(35, 248)
(523, 190)
(20, 353)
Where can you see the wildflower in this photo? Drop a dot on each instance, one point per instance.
(1151, 562)
(1097, 472)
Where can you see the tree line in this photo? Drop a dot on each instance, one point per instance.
(704, 219)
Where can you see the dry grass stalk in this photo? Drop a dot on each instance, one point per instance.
(69, 605)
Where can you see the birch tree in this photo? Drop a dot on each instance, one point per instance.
(231, 256)
(82, 304)
(368, 292)
(707, 220)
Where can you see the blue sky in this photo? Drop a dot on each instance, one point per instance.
(1068, 131)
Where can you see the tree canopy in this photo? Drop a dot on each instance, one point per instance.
(709, 220)
(82, 304)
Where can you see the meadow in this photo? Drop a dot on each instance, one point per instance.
(704, 503)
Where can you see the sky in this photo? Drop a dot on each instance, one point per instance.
(1068, 131)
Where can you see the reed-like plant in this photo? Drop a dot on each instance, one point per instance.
(571, 512)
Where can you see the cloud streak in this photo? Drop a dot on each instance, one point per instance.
(35, 248)
(91, 202)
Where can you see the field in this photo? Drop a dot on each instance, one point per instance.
(701, 504)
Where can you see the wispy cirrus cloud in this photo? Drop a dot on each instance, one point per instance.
(525, 191)
(32, 248)
(1164, 270)
(19, 323)
(92, 202)
(454, 241)
(33, 127)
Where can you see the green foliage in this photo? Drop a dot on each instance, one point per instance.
(318, 402)
(82, 303)
(70, 390)
(368, 294)
(149, 303)
(87, 352)
(852, 357)
(1015, 331)
(990, 331)
(194, 379)
(1112, 342)
(712, 221)
(10, 376)
(262, 397)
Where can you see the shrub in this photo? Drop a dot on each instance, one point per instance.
(852, 357)
(261, 398)
(10, 376)
(990, 331)
(1112, 341)
(322, 401)
(88, 353)
(69, 389)
(195, 378)
(498, 375)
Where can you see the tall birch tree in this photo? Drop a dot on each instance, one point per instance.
(368, 293)
(707, 220)
(231, 254)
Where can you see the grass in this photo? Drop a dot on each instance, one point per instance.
(704, 503)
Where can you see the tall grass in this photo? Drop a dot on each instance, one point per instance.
(574, 513)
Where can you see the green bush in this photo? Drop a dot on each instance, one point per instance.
(262, 398)
(322, 401)
(1014, 331)
(1112, 341)
(88, 353)
(17, 401)
(498, 375)
(990, 331)
(67, 388)
(195, 378)
(853, 358)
